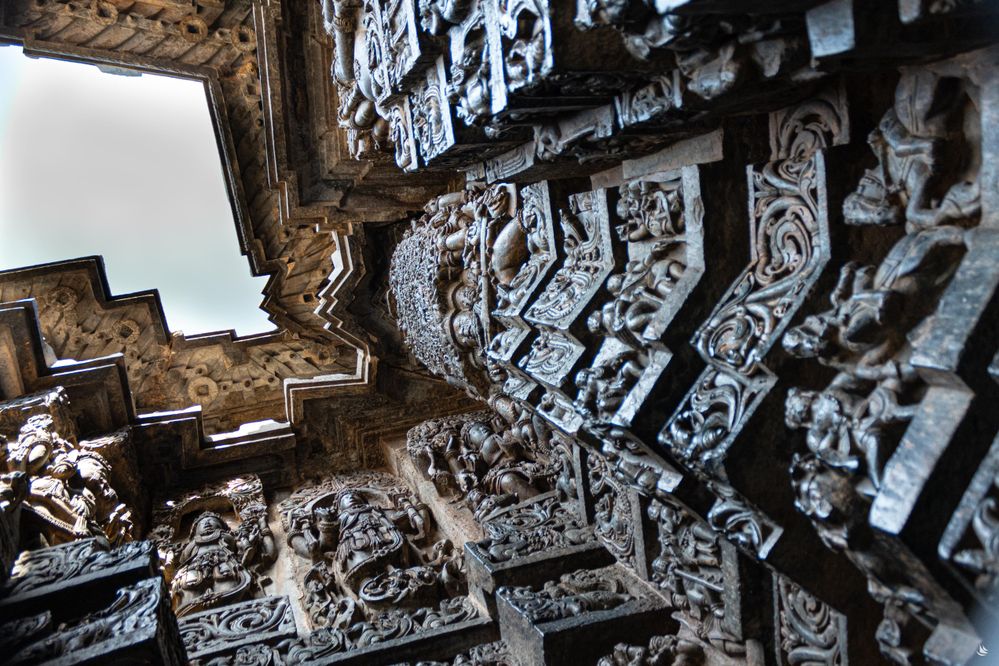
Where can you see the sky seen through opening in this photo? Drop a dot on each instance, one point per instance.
(126, 167)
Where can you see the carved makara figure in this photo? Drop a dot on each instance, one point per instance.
(210, 570)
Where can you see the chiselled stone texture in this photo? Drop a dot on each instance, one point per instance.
(69, 578)
(137, 626)
(234, 381)
(718, 290)
(212, 633)
(82, 603)
(682, 317)
(241, 50)
(59, 487)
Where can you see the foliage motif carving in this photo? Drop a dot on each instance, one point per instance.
(213, 630)
(613, 511)
(573, 594)
(589, 260)
(329, 641)
(810, 631)
(136, 611)
(49, 566)
(790, 246)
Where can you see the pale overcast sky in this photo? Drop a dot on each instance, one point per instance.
(126, 167)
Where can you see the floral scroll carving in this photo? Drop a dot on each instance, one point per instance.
(790, 245)
(574, 593)
(810, 631)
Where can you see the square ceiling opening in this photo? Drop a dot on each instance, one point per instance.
(94, 162)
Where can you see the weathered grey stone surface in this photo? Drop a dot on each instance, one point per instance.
(609, 332)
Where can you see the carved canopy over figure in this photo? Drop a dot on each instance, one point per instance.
(210, 571)
(214, 564)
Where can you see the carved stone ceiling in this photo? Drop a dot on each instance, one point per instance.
(297, 199)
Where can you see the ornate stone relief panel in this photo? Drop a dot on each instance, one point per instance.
(213, 543)
(57, 487)
(809, 629)
(485, 461)
(789, 239)
(369, 559)
(234, 381)
(214, 632)
(861, 424)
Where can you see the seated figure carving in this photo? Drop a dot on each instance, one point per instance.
(368, 548)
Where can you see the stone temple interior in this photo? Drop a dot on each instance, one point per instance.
(608, 332)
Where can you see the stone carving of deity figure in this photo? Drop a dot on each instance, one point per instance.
(503, 467)
(370, 538)
(362, 538)
(210, 572)
(69, 495)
